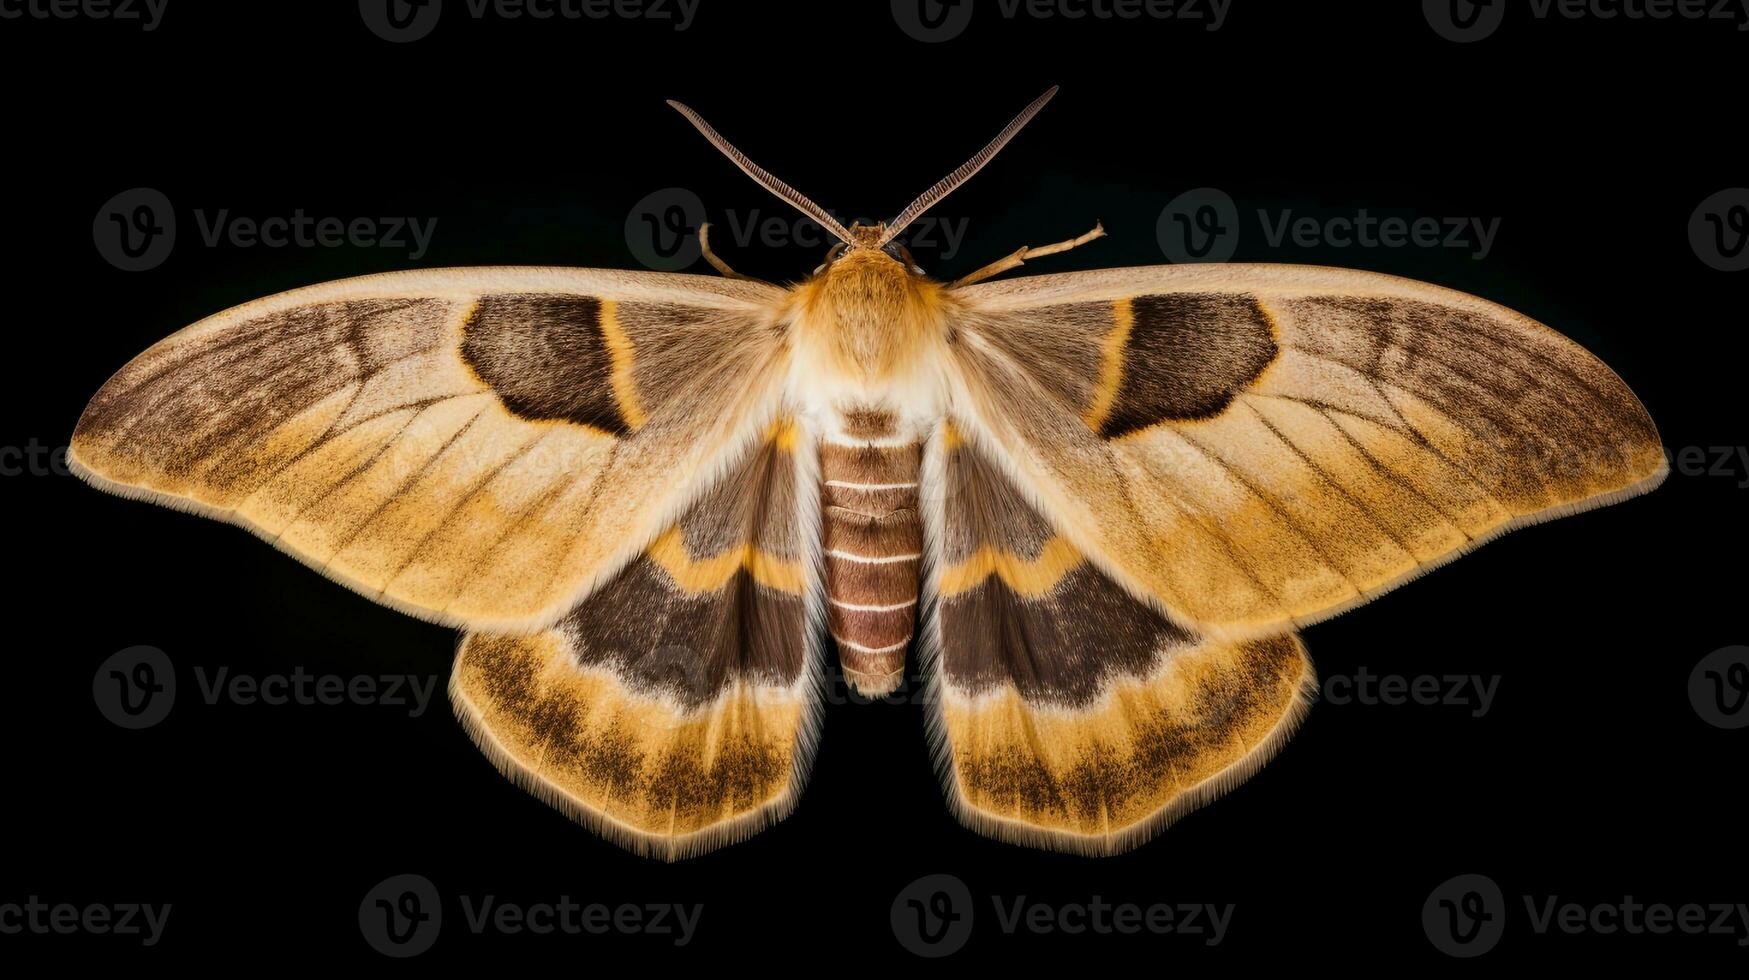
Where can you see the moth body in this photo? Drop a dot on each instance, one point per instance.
(873, 548)
(868, 319)
(865, 330)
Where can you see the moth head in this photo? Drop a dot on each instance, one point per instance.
(859, 239)
(869, 244)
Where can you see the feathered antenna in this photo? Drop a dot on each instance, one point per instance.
(947, 185)
(765, 179)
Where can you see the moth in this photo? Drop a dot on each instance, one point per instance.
(1098, 504)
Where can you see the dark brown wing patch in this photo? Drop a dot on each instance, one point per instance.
(1053, 649)
(1180, 357)
(550, 357)
(720, 601)
(1021, 607)
(1135, 362)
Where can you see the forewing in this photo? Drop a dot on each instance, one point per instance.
(478, 447)
(1254, 447)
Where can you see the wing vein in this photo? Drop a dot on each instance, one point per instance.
(406, 482)
(1324, 475)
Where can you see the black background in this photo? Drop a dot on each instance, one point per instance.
(1592, 777)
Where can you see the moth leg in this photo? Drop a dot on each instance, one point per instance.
(704, 245)
(1019, 256)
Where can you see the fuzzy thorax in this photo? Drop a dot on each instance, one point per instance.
(868, 318)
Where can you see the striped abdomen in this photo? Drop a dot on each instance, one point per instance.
(873, 545)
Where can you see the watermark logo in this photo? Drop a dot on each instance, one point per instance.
(135, 688)
(135, 230)
(932, 916)
(401, 916)
(1718, 230)
(1204, 225)
(1201, 225)
(1718, 687)
(400, 21)
(934, 21)
(1464, 21)
(662, 229)
(144, 14)
(1465, 916)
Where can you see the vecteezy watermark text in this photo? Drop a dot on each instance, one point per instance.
(301, 230)
(1465, 21)
(1729, 462)
(943, 20)
(38, 917)
(147, 14)
(1473, 691)
(401, 21)
(34, 459)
